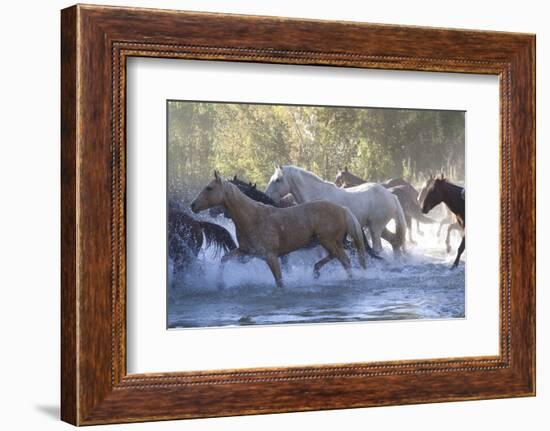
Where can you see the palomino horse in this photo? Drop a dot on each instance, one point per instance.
(186, 236)
(372, 204)
(253, 193)
(453, 196)
(268, 233)
(449, 219)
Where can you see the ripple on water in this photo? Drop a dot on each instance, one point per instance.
(416, 286)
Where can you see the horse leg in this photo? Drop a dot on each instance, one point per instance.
(418, 230)
(275, 267)
(448, 238)
(392, 239)
(408, 220)
(317, 267)
(441, 224)
(344, 260)
(459, 253)
(335, 250)
(376, 234)
(453, 226)
(329, 247)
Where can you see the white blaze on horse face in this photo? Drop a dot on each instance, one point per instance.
(278, 186)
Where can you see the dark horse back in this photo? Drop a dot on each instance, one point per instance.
(218, 237)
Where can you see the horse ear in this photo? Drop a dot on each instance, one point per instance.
(235, 178)
(254, 186)
(217, 177)
(345, 169)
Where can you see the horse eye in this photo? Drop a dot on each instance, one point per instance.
(208, 189)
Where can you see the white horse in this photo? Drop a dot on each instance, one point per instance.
(372, 205)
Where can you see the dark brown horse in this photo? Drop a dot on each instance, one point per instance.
(404, 191)
(267, 232)
(187, 235)
(449, 218)
(453, 196)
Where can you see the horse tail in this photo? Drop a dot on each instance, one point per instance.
(400, 224)
(356, 233)
(218, 237)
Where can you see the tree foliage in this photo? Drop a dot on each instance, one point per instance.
(247, 139)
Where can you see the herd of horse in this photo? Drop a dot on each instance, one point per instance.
(301, 210)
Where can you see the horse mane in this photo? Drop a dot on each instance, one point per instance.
(291, 169)
(233, 190)
(446, 181)
(253, 193)
(238, 182)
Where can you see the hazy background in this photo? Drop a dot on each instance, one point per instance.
(247, 139)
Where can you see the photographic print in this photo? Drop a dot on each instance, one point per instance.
(299, 214)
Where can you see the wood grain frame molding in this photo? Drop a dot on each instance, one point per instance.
(96, 41)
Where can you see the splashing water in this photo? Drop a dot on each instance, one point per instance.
(419, 285)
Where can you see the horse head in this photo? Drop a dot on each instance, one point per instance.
(279, 185)
(344, 178)
(340, 180)
(434, 194)
(424, 190)
(211, 196)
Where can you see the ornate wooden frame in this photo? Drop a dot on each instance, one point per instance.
(95, 43)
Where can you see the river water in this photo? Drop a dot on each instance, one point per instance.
(419, 285)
